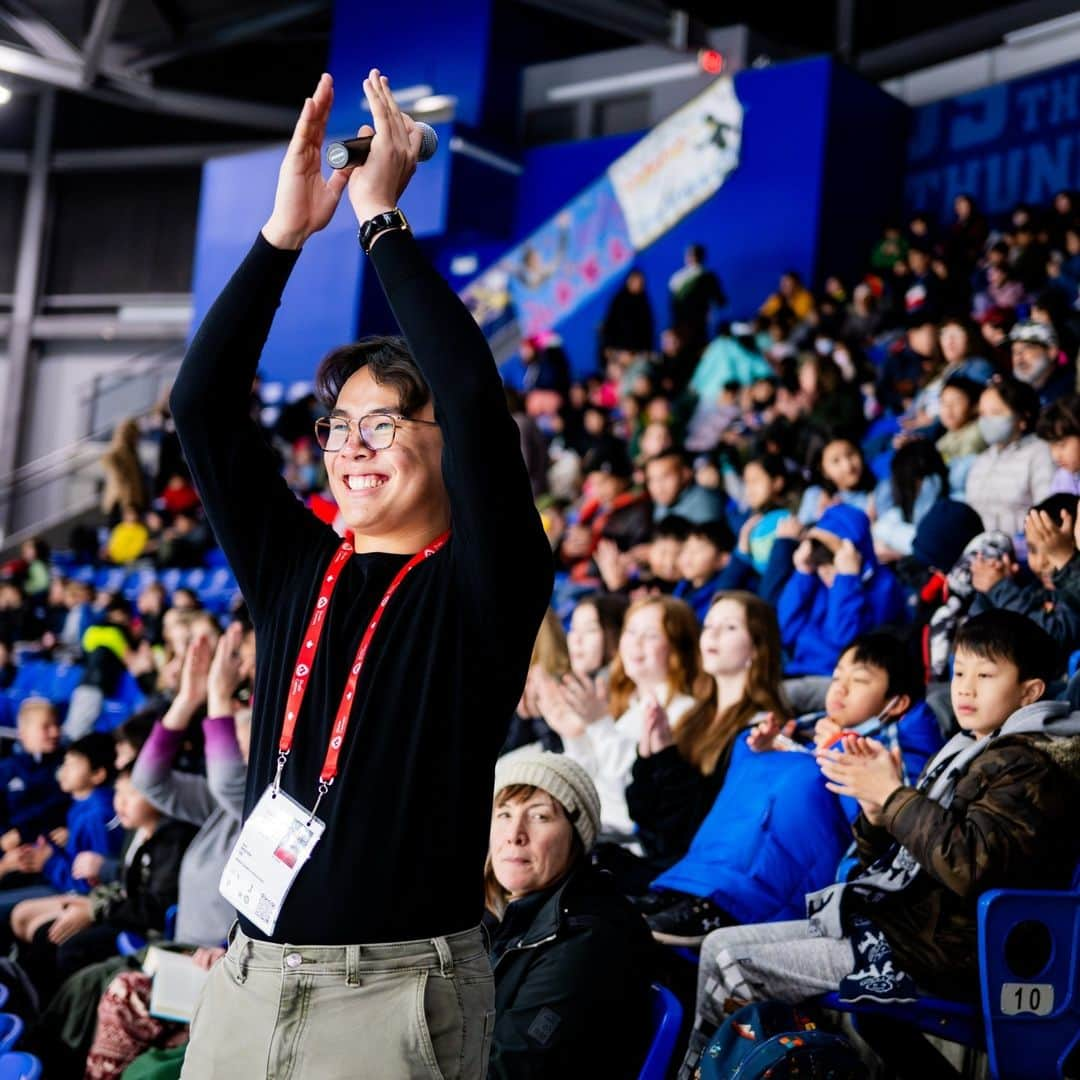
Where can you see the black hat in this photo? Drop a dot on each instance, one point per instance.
(944, 532)
(609, 458)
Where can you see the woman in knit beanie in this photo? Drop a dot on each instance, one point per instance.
(572, 957)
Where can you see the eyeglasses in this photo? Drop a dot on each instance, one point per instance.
(376, 430)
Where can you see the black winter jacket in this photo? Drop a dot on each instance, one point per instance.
(572, 967)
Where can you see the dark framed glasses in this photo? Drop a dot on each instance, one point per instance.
(376, 430)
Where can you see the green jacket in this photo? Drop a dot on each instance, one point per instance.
(1012, 824)
(572, 967)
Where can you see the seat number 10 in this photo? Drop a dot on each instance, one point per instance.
(1037, 998)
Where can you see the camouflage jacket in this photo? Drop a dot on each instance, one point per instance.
(1012, 824)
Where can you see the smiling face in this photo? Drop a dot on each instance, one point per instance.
(395, 499)
(986, 692)
(531, 843)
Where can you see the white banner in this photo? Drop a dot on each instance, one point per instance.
(680, 163)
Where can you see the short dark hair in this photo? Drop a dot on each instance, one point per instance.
(971, 388)
(1058, 504)
(1019, 398)
(673, 451)
(890, 653)
(717, 533)
(671, 527)
(1059, 419)
(99, 749)
(136, 728)
(1012, 637)
(391, 364)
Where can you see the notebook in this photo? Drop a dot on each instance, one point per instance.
(178, 982)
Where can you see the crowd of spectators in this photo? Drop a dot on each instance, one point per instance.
(810, 565)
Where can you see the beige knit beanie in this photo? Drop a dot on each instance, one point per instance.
(563, 779)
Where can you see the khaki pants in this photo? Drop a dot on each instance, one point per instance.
(405, 1010)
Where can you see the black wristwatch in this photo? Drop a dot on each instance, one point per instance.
(391, 219)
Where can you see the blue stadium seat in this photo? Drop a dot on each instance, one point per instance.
(11, 1031)
(1029, 1019)
(127, 699)
(215, 559)
(667, 1015)
(170, 578)
(110, 578)
(33, 679)
(65, 678)
(1029, 948)
(20, 1066)
(128, 943)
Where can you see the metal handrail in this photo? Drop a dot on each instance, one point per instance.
(159, 364)
(64, 483)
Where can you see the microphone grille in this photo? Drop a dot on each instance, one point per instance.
(429, 142)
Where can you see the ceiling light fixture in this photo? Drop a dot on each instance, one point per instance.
(5, 94)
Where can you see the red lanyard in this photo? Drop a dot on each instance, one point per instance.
(305, 660)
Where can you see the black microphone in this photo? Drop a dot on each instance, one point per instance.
(340, 155)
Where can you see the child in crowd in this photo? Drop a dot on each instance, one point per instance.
(59, 935)
(877, 692)
(657, 663)
(1001, 583)
(677, 774)
(766, 490)
(918, 479)
(92, 826)
(669, 480)
(33, 804)
(842, 477)
(995, 808)
(837, 592)
(958, 413)
(1016, 471)
(662, 573)
(703, 562)
(773, 831)
(1059, 425)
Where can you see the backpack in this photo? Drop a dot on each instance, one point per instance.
(777, 1041)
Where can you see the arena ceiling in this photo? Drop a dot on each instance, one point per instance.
(143, 72)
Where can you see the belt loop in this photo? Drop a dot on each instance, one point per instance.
(352, 965)
(446, 957)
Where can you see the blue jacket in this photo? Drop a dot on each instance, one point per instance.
(817, 622)
(92, 826)
(917, 733)
(32, 800)
(773, 834)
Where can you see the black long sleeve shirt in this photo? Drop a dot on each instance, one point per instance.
(407, 818)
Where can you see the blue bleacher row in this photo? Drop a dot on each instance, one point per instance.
(213, 583)
(14, 1064)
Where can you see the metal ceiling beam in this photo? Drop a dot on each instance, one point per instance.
(37, 32)
(223, 34)
(960, 38)
(135, 93)
(101, 29)
(640, 19)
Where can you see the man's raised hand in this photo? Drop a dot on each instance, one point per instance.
(395, 149)
(304, 202)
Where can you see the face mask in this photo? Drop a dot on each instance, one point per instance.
(823, 346)
(1036, 374)
(997, 430)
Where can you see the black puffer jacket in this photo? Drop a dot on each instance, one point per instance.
(572, 966)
